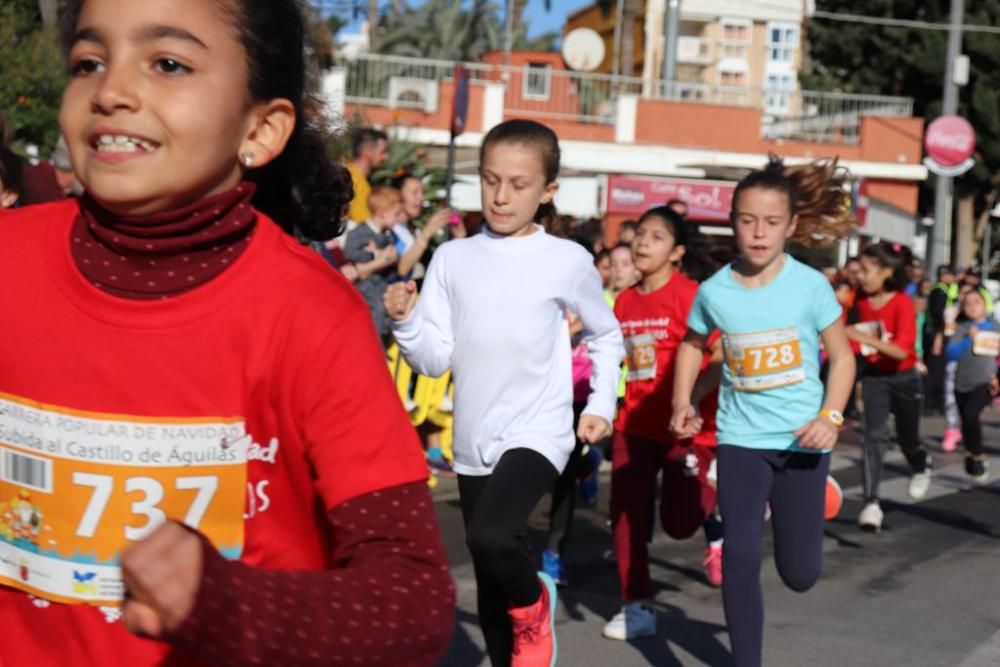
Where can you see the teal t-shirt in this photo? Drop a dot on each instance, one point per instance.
(770, 380)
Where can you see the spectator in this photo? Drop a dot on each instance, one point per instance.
(11, 178)
(942, 295)
(915, 275)
(627, 232)
(363, 245)
(369, 150)
(412, 243)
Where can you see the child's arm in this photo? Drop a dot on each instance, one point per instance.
(359, 246)
(959, 343)
(710, 377)
(603, 336)
(685, 422)
(423, 328)
(821, 432)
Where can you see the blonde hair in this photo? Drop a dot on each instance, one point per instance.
(383, 197)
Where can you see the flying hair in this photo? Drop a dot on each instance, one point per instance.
(817, 194)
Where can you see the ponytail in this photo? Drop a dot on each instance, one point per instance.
(816, 193)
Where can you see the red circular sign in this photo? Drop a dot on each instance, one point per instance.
(950, 140)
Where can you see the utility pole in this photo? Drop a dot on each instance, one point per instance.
(939, 250)
(671, 28)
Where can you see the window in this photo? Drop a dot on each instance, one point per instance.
(736, 37)
(779, 92)
(733, 78)
(537, 81)
(782, 41)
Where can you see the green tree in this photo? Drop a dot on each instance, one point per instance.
(884, 60)
(32, 74)
(451, 30)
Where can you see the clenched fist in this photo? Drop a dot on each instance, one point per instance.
(400, 299)
(162, 575)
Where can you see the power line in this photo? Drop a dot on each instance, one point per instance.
(880, 20)
(903, 23)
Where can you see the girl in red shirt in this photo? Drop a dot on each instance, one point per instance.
(205, 460)
(653, 316)
(886, 332)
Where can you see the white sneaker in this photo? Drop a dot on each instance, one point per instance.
(632, 621)
(871, 517)
(919, 484)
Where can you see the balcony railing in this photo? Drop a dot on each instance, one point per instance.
(549, 94)
(694, 50)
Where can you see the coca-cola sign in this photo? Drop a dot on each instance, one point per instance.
(950, 142)
(706, 200)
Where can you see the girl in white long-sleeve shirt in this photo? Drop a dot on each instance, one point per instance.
(493, 310)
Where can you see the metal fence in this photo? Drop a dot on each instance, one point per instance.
(545, 93)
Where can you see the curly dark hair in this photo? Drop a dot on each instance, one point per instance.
(304, 190)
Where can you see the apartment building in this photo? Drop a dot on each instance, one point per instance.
(734, 48)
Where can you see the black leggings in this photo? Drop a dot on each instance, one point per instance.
(970, 407)
(495, 509)
(795, 484)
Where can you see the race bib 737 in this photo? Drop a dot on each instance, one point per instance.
(76, 488)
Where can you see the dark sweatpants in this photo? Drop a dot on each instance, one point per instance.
(795, 485)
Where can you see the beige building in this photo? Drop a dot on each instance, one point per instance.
(728, 51)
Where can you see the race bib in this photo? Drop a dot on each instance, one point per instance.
(764, 360)
(986, 344)
(873, 328)
(77, 488)
(641, 350)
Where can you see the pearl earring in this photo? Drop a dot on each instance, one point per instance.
(248, 158)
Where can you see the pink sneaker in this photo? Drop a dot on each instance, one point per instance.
(949, 442)
(534, 629)
(713, 565)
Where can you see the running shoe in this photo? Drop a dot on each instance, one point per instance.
(952, 437)
(871, 517)
(834, 498)
(552, 565)
(920, 482)
(713, 565)
(535, 629)
(978, 467)
(631, 622)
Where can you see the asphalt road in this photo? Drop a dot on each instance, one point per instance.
(925, 592)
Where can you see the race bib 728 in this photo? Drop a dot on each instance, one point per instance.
(764, 360)
(76, 488)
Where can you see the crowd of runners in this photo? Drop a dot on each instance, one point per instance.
(203, 458)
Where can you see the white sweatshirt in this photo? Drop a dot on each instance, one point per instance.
(493, 309)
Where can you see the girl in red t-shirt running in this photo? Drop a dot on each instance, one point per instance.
(653, 316)
(208, 369)
(887, 332)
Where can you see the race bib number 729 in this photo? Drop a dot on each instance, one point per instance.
(77, 488)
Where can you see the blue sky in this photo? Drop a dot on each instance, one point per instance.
(539, 20)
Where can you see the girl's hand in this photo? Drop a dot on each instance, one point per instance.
(400, 300)
(994, 385)
(820, 433)
(592, 429)
(387, 256)
(686, 422)
(973, 331)
(162, 575)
